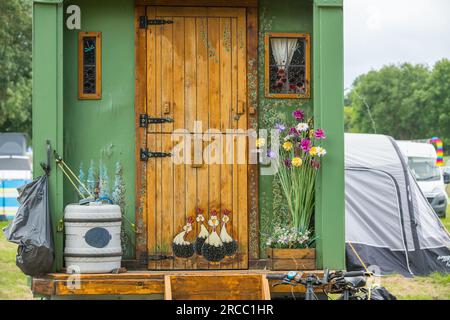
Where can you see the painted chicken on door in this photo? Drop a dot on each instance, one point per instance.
(196, 138)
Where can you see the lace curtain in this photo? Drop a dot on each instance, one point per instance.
(283, 51)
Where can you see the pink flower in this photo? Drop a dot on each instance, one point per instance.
(315, 164)
(293, 131)
(299, 115)
(305, 144)
(319, 134)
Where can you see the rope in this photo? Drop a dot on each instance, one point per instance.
(363, 264)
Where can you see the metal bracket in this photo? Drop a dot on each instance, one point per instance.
(145, 259)
(145, 154)
(145, 120)
(144, 22)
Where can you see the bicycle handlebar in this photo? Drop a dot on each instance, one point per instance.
(276, 276)
(354, 274)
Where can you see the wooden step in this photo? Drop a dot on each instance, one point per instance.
(216, 287)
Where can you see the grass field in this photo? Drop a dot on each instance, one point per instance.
(13, 284)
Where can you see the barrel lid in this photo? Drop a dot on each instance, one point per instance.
(92, 212)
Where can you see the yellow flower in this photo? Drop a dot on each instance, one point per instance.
(260, 142)
(313, 151)
(311, 133)
(287, 146)
(297, 162)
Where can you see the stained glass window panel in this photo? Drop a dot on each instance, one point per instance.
(287, 71)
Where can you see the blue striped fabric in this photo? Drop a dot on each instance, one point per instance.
(8, 198)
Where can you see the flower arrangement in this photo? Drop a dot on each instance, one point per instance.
(299, 161)
(289, 238)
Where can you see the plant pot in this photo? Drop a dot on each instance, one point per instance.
(291, 259)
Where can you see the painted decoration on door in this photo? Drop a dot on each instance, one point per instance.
(213, 249)
(207, 245)
(229, 243)
(203, 234)
(181, 247)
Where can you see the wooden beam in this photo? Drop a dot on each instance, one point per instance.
(329, 115)
(141, 135)
(48, 108)
(167, 288)
(252, 124)
(192, 285)
(199, 3)
(265, 288)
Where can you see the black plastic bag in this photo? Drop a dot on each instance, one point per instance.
(31, 229)
(381, 293)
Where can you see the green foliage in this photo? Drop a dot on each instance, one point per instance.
(406, 102)
(92, 178)
(104, 189)
(15, 66)
(81, 177)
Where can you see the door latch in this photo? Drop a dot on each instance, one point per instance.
(145, 154)
(145, 120)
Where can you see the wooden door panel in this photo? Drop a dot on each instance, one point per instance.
(196, 72)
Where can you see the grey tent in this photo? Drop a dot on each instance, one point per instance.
(389, 222)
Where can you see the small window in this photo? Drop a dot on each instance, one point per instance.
(287, 65)
(89, 66)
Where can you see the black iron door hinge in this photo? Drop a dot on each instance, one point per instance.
(145, 259)
(144, 22)
(146, 154)
(145, 120)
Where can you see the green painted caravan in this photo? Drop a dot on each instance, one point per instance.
(105, 131)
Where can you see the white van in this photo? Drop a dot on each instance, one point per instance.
(421, 159)
(15, 171)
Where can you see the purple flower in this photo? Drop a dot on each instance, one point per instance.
(280, 127)
(288, 163)
(319, 134)
(271, 154)
(298, 114)
(305, 144)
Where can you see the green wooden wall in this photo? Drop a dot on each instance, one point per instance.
(104, 130)
(297, 17)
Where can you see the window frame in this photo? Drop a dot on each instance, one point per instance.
(98, 66)
(307, 38)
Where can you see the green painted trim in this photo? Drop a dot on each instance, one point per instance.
(329, 3)
(47, 105)
(328, 93)
(49, 1)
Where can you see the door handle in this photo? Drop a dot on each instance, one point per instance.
(193, 154)
(241, 107)
(166, 107)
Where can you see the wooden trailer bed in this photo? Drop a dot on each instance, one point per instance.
(168, 285)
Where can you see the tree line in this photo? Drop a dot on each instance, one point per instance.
(15, 66)
(406, 101)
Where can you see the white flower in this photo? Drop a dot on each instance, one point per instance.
(302, 127)
(321, 151)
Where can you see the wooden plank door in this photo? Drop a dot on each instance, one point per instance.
(196, 75)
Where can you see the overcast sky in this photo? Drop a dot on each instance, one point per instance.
(379, 32)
